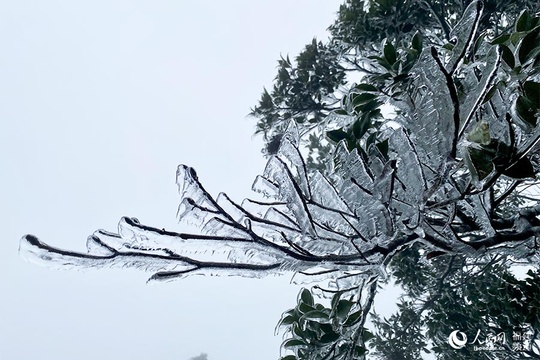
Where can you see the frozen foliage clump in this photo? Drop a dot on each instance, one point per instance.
(432, 186)
(305, 225)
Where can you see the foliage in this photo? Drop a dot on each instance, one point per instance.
(441, 193)
(323, 77)
(316, 329)
(479, 298)
(498, 164)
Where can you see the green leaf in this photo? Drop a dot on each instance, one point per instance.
(500, 39)
(525, 110)
(481, 161)
(304, 308)
(448, 46)
(358, 99)
(532, 92)
(335, 300)
(515, 37)
(366, 87)
(383, 147)
(508, 56)
(360, 127)
(367, 107)
(326, 328)
(353, 318)
(306, 297)
(480, 133)
(351, 144)
(416, 42)
(359, 350)
(292, 343)
(523, 169)
(390, 53)
(343, 308)
(367, 335)
(296, 330)
(530, 46)
(329, 338)
(400, 77)
(523, 22)
(336, 135)
(382, 61)
(316, 314)
(287, 320)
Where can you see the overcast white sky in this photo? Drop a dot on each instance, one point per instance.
(99, 102)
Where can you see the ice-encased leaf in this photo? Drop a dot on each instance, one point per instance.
(289, 192)
(430, 116)
(192, 213)
(408, 169)
(292, 135)
(476, 96)
(410, 184)
(190, 187)
(225, 228)
(235, 211)
(331, 221)
(288, 151)
(325, 194)
(352, 224)
(349, 165)
(384, 183)
(264, 187)
(277, 216)
(104, 243)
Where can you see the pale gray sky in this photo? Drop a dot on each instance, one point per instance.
(99, 102)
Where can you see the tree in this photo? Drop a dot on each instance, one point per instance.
(444, 189)
(321, 80)
(357, 33)
(202, 356)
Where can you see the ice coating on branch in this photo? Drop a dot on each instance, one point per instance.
(462, 36)
(32, 249)
(308, 220)
(477, 94)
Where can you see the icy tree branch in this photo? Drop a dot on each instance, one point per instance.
(431, 186)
